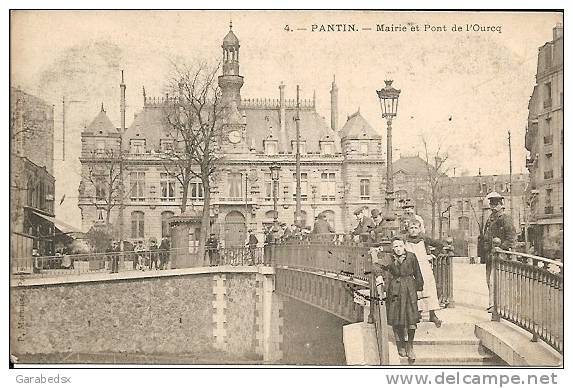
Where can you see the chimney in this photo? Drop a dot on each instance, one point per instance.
(558, 31)
(122, 104)
(334, 105)
(282, 110)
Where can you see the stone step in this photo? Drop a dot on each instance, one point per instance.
(452, 354)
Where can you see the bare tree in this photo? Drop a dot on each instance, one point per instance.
(194, 121)
(105, 179)
(436, 176)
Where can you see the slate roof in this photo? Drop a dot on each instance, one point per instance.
(411, 165)
(356, 127)
(313, 128)
(148, 124)
(101, 123)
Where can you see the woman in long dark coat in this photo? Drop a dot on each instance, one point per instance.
(401, 297)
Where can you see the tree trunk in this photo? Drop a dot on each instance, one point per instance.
(185, 193)
(205, 220)
(433, 219)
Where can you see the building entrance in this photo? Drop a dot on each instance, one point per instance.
(235, 229)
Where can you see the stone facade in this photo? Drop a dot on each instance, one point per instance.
(544, 141)
(32, 182)
(185, 314)
(341, 168)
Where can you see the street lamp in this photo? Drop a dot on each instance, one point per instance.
(275, 168)
(389, 105)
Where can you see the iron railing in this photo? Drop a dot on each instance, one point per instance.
(109, 262)
(528, 291)
(237, 256)
(442, 266)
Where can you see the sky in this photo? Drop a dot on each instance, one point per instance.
(460, 90)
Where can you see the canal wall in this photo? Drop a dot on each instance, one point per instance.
(191, 310)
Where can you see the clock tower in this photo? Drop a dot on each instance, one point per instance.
(231, 82)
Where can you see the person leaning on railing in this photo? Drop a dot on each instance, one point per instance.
(498, 225)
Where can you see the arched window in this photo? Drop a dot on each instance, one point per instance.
(165, 216)
(137, 224)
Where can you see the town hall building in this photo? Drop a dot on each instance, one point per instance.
(342, 169)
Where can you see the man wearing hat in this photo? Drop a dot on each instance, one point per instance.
(322, 228)
(410, 214)
(365, 225)
(498, 225)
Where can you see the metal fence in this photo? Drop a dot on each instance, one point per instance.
(236, 256)
(528, 291)
(109, 262)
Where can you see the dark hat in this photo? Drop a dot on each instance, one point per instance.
(358, 211)
(408, 203)
(375, 213)
(283, 224)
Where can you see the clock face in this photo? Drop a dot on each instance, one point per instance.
(234, 137)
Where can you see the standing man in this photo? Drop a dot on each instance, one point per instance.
(213, 249)
(252, 244)
(322, 229)
(364, 227)
(409, 215)
(498, 225)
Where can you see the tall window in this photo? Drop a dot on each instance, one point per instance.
(464, 223)
(196, 191)
(137, 146)
(100, 147)
(101, 191)
(236, 185)
(137, 180)
(137, 224)
(364, 147)
(165, 216)
(303, 186)
(268, 187)
(328, 186)
(167, 184)
(364, 189)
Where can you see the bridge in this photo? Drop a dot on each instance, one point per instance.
(336, 276)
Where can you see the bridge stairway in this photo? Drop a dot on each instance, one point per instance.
(453, 344)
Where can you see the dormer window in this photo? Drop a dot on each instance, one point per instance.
(302, 146)
(166, 145)
(271, 147)
(137, 146)
(363, 147)
(100, 146)
(327, 147)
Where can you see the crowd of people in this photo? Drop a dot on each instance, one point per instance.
(410, 285)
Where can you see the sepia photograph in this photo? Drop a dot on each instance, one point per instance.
(286, 188)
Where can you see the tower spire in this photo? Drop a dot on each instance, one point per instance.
(334, 105)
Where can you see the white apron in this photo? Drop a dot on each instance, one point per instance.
(429, 293)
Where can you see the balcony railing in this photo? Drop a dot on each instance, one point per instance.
(548, 209)
(528, 291)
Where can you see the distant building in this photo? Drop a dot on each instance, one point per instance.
(544, 141)
(462, 208)
(32, 180)
(341, 168)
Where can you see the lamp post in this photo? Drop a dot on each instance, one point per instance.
(389, 105)
(275, 168)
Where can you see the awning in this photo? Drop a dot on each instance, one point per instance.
(61, 225)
